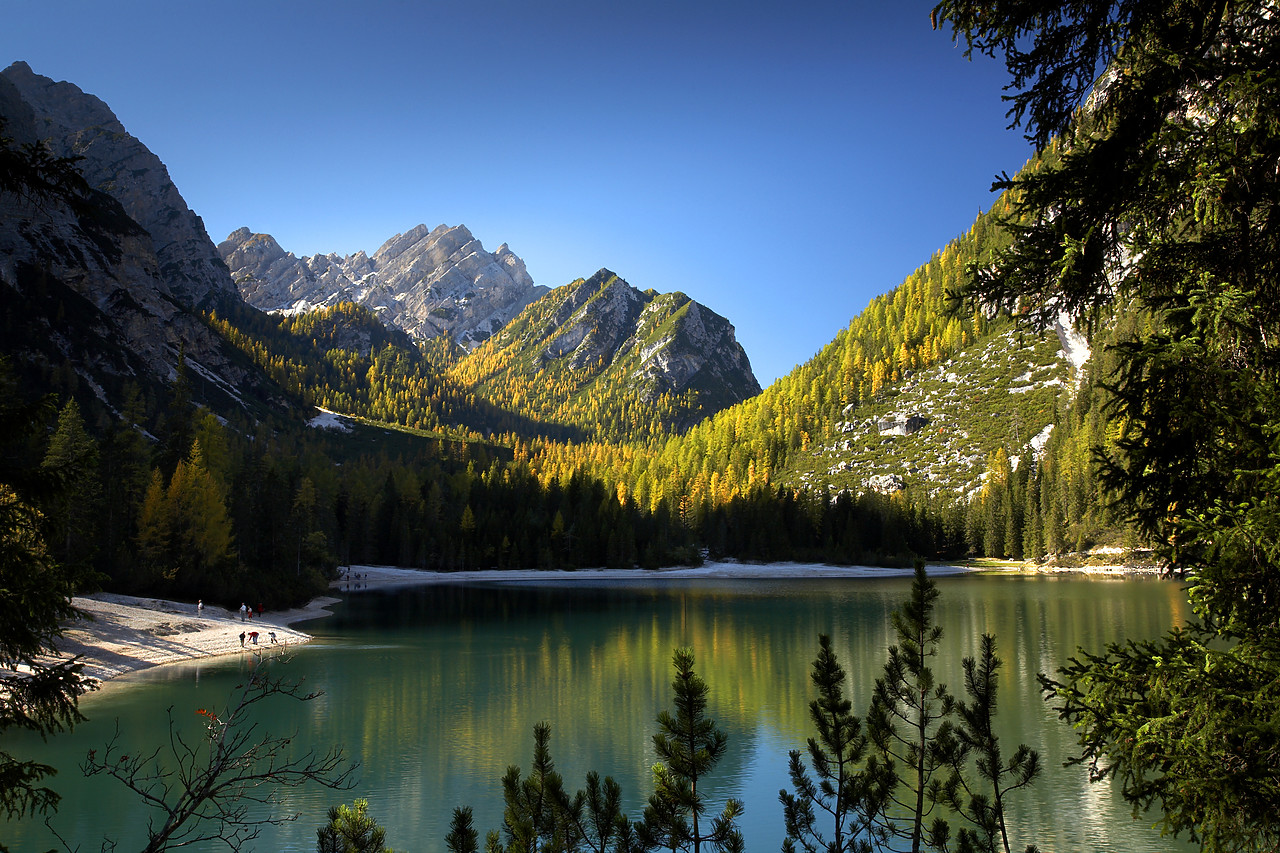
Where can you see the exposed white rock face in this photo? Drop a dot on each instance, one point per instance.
(428, 283)
(886, 484)
(1075, 348)
(902, 424)
(77, 124)
(1039, 440)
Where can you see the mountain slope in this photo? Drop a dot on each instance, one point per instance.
(74, 123)
(819, 427)
(89, 299)
(429, 283)
(936, 429)
(599, 353)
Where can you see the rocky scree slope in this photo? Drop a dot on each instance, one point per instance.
(936, 429)
(426, 282)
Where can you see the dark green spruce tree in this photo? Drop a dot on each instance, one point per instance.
(35, 599)
(532, 820)
(36, 694)
(351, 829)
(987, 795)
(889, 789)
(910, 725)
(541, 816)
(462, 837)
(1161, 193)
(74, 510)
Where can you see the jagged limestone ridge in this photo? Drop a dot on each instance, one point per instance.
(427, 282)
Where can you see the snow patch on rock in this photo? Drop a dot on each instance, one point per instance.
(329, 420)
(1075, 348)
(1040, 440)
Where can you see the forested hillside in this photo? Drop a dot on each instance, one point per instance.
(619, 364)
(345, 360)
(1001, 467)
(904, 330)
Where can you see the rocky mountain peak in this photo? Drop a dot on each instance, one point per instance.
(426, 282)
(260, 250)
(606, 331)
(84, 284)
(62, 103)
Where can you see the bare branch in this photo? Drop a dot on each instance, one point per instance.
(202, 790)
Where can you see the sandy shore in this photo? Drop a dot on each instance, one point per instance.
(126, 634)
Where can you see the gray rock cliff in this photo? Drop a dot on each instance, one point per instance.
(84, 286)
(611, 334)
(74, 123)
(429, 283)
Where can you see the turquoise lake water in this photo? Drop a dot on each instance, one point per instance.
(436, 690)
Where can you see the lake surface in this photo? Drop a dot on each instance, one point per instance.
(436, 691)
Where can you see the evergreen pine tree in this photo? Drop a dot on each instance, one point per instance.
(126, 466)
(909, 724)
(462, 837)
(541, 816)
(1164, 192)
(351, 830)
(689, 745)
(530, 821)
(1011, 537)
(851, 796)
(1032, 535)
(988, 794)
(72, 462)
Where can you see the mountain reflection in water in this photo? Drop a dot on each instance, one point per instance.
(436, 690)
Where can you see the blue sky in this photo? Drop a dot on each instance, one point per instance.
(782, 163)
